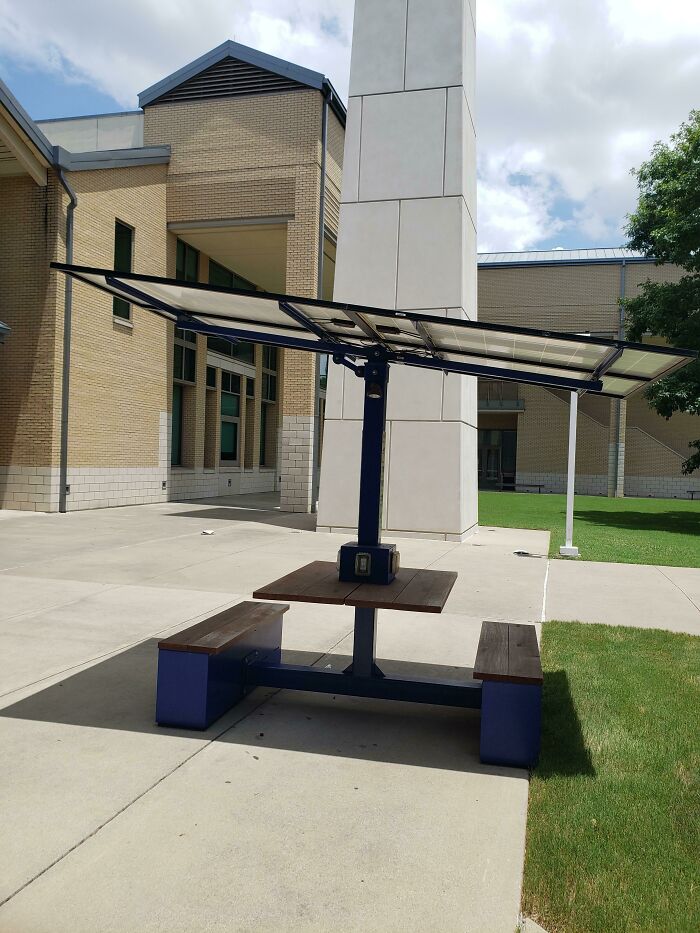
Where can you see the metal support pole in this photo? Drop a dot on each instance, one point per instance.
(568, 550)
(369, 523)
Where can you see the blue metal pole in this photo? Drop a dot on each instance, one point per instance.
(369, 523)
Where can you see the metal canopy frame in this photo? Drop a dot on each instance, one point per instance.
(369, 354)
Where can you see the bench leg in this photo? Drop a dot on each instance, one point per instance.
(195, 689)
(511, 715)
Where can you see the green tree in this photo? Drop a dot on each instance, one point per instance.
(666, 226)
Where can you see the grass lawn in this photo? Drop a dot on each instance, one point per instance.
(628, 531)
(613, 835)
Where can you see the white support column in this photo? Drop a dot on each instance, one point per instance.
(568, 550)
(407, 241)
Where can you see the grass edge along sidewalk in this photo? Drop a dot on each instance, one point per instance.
(613, 831)
(664, 532)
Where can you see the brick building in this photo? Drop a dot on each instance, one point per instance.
(222, 176)
(623, 448)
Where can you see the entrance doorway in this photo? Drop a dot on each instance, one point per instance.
(497, 458)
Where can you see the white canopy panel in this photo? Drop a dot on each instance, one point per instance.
(450, 343)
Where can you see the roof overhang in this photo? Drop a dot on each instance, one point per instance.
(111, 158)
(347, 332)
(25, 148)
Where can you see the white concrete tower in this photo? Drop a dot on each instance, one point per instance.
(407, 241)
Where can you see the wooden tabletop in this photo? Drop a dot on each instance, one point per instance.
(411, 590)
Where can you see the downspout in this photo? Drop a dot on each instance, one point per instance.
(67, 323)
(315, 458)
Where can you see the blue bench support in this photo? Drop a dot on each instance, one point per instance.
(202, 670)
(508, 663)
(511, 716)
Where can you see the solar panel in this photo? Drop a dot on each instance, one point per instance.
(428, 341)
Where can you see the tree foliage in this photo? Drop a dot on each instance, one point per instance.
(666, 226)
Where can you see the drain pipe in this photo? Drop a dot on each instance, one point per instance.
(315, 458)
(67, 323)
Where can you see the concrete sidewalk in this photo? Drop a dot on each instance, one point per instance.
(624, 594)
(293, 812)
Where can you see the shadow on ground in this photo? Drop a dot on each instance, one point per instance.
(119, 693)
(674, 522)
(564, 751)
(236, 513)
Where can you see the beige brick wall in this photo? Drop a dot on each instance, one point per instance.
(236, 157)
(31, 235)
(543, 436)
(120, 375)
(582, 298)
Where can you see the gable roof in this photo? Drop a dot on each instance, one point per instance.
(234, 70)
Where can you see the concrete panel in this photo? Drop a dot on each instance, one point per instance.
(469, 268)
(414, 394)
(339, 491)
(120, 132)
(73, 135)
(460, 150)
(431, 254)
(403, 145)
(353, 395)
(367, 247)
(378, 47)
(425, 475)
(351, 158)
(334, 391)
(434, 43)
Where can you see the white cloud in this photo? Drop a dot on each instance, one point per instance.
(571, 95)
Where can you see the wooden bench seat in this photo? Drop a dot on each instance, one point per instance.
(508, 662)
(200, 670)
(509, 653)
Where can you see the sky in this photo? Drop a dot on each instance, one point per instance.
(570, 95)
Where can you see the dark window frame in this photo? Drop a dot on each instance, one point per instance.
(121, 308)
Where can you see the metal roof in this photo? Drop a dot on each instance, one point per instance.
(242, 53)
(111, 158)
(562, 256)
(348, 332)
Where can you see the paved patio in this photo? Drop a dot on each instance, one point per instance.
(293, 812)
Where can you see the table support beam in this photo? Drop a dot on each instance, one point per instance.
(466, 695)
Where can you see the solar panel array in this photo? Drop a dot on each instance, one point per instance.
(448, 342)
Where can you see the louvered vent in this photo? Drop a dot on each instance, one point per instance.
(230, 78)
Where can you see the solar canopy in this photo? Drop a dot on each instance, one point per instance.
(449, 343)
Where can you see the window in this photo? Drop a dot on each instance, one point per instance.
(230, 416)
(184, 356)
(269, 397)
(250, 388)
(123, 259)
(244, 352)
(225, 278)
(187, 262)
(270, 358)
(176, 437)
(323, 371)
(211, 377)
(269, 377)
(263, 433)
